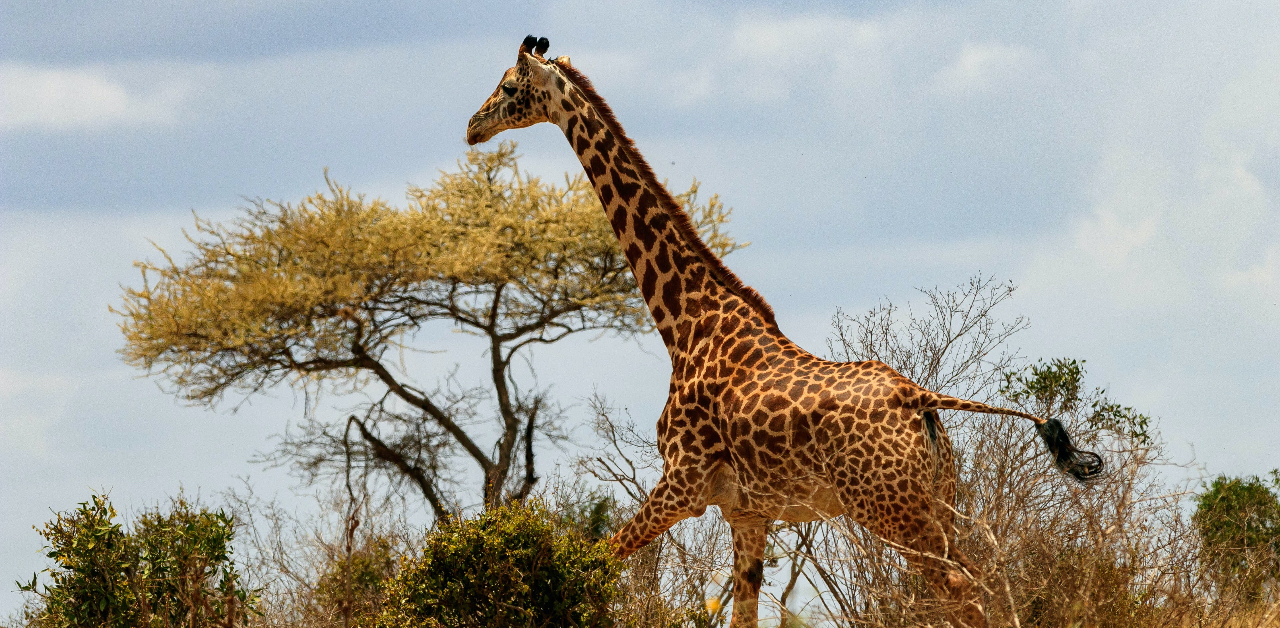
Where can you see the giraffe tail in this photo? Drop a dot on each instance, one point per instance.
(1079, 464)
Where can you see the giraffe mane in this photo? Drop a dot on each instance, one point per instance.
(683, 223)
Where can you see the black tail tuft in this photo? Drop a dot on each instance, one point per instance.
(1081, 465)
(931, 425)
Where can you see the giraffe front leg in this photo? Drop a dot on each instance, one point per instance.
(749, 535)
(663, 509)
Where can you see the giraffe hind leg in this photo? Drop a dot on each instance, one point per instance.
(925, 537)
(950, 574)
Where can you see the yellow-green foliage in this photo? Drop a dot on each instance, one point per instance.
(518, 565)
(310, 290)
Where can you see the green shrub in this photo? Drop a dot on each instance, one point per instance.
(1239, 523)
(591, 515)
(183, 569)
(518, 565)
(172, 569)
(93, 559)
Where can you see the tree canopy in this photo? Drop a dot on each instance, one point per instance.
(325, 291)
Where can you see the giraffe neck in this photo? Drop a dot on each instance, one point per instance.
(680, 278)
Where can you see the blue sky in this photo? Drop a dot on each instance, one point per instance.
(1119, 162)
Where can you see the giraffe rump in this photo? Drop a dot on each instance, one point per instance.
(684, 224)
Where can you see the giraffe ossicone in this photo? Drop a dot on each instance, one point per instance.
(754, 424)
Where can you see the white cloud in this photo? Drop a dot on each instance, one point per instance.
(1162, 232)
(981, 67)
(1131, 197)
(757, 58)
(1182, 201)
(1262, 279)
(803, 39)
(61, 99)
(768, 58)
(21, 248)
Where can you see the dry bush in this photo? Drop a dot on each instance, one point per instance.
(26, 617)
(1121, 551)
(322, 570)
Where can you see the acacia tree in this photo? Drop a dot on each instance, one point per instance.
(322, 295)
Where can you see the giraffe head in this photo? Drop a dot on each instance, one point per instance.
(524, 96)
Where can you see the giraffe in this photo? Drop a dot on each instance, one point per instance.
(753, 424)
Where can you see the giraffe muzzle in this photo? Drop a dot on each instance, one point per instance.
(478, 129)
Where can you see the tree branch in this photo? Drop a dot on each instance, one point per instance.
(364, 360)
(529, 477)
(510, 422)
(386, 453)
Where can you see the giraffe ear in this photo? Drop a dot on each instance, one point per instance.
(541, 47)
(529, 43)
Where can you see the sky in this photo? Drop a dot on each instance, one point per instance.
(1118, 162)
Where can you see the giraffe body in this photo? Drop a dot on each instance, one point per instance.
(754, 424)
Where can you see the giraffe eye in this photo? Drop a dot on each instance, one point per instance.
(509, 90)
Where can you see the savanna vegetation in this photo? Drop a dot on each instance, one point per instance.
(329, 295)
